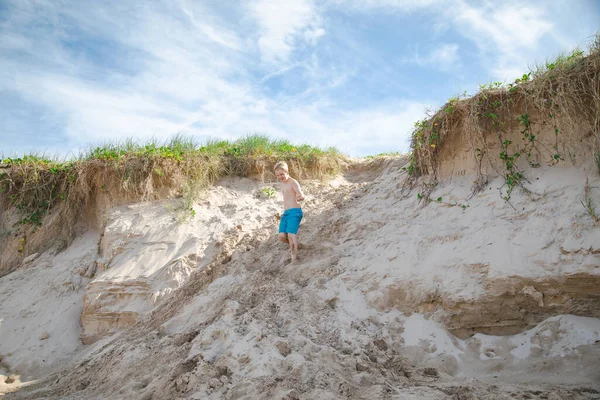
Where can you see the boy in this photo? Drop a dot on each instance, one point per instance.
(290, 220)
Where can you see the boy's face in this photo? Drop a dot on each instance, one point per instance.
(281, 175)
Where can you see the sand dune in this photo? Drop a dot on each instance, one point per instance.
(392, 297)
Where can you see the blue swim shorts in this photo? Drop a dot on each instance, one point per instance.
(290, 220)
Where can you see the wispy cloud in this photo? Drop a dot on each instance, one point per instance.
(505, 33)
(283, 24)
(404, 6)
(386, 126)
(179, 68)
(508, 35)
(189, 70)
(338, 72)
(445, 54)
(444, 57)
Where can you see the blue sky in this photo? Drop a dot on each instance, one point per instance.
(355, 74)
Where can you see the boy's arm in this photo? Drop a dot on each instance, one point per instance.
(298, 190)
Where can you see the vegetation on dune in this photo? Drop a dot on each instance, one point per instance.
(386, 154)
(34, 184)
(561, 96)
(587, 202)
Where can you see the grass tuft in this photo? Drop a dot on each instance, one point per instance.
(587, 202)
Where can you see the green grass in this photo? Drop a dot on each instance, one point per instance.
(178, 148)
(35, 183)
(386, 154)
(260, 145)
(562, 62)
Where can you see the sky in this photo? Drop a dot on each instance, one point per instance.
(354, 74)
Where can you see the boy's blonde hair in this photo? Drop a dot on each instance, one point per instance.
(281, 165)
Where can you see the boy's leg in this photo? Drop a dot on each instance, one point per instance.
(293, 226)
(293, 245)
(283, 237)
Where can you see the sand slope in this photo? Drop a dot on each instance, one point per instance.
(392, 298)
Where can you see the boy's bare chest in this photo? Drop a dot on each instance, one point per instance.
(287, 188)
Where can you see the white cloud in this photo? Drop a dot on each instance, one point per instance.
(445, 54)
(507, 27)
(223, 37)
(506, 34)
(384, 5)
(374, 130)
(179, 65)
(283, 24)
(183, 70)
(15, 41)
(443, 57)
(378, 130)
(279, 72)
(312, 35)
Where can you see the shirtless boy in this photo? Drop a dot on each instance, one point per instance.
(290, 220)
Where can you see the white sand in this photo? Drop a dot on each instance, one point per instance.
(44, 298)
(362, 315)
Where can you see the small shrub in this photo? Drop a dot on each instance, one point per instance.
(587, 202)
(268, 192)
